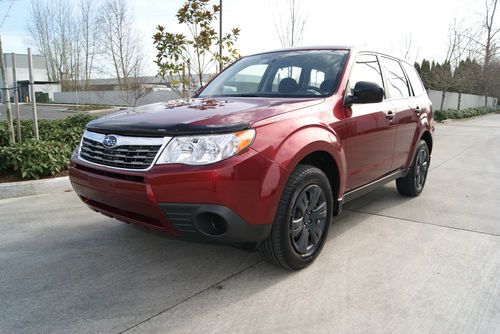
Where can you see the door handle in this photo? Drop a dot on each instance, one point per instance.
(390, 115)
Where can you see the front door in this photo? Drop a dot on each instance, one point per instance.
(371, 129)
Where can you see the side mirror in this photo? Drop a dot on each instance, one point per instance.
(365, 92)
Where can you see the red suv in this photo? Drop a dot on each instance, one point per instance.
(265, 154)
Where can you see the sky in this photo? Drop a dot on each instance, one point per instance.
(382, 25)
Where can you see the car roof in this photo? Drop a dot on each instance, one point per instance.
(351, 48)
(310, 48)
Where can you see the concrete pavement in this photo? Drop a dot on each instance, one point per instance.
(43, 112)
(391, 264)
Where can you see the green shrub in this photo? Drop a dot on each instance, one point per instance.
(68, 129)
(49, 156)
(5, 158)
(32, 159)
(440, 115)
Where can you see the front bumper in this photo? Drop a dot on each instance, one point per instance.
(233, 201)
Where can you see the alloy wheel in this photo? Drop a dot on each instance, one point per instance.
(308, 220)
(421, 168)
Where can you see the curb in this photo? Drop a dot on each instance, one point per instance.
(98, 111)
(456, 120)
(36, 187)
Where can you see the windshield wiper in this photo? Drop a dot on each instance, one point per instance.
(242, 95)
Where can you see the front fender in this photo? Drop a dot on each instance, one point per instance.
(297, 145)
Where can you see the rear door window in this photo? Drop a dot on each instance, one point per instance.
(396, 80)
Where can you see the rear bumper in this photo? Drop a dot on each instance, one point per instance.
(234, 202)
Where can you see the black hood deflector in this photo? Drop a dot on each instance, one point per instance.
(138, 129)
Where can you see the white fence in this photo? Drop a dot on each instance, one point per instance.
(451, 100)
(122, 98)
(127, 99)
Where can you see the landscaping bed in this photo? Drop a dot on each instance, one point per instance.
(90, 107)
(441, 115)
(46, 158)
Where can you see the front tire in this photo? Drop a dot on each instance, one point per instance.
(413, 183)
(302, 220)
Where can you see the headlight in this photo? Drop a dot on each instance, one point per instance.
(205, 149)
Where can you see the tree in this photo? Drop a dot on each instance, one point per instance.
(120, 41)
(6, 98)
(65, 32)
(40, 28)
(443, 79)
(441, 76)
(136, 88)
(491, 45)
(178, 55)
(425, 73)
(407, 50)
(456, 43)
(290, 29)
(467, 78)
(89, 34)
(484, 44)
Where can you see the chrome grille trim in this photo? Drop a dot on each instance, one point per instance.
(129, 153)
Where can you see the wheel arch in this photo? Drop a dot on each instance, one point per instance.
(427, 137)
(319, 147)
(326, 163)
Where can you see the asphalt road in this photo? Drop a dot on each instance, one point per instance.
(43, 112)
(391, 264)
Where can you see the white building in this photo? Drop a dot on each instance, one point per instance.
(40, 77)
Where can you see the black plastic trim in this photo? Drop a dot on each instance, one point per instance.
(363, 190)
(158, 130)
(183, 218)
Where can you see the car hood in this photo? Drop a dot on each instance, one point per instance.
(196, 116)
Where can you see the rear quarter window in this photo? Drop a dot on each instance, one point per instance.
(415, 81)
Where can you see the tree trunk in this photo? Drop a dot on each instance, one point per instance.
(486, 100)
(6, 98)
(443, 95)
(459, 100)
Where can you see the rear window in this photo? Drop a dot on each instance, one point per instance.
(416, 83)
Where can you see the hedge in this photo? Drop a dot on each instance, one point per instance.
(49, 156)
(440, 115)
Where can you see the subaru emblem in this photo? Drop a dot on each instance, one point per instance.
(109, 141)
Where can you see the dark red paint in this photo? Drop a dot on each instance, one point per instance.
(363, 142)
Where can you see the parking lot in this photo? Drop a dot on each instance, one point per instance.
(44, 111)
(391, 264)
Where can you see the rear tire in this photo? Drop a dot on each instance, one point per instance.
(302, 220)
(413, 183)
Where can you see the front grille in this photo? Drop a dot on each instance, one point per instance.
(122, 156)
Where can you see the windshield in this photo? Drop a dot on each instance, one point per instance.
(280, 74)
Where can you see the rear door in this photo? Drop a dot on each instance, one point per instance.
(370, 129)
(404, 106)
